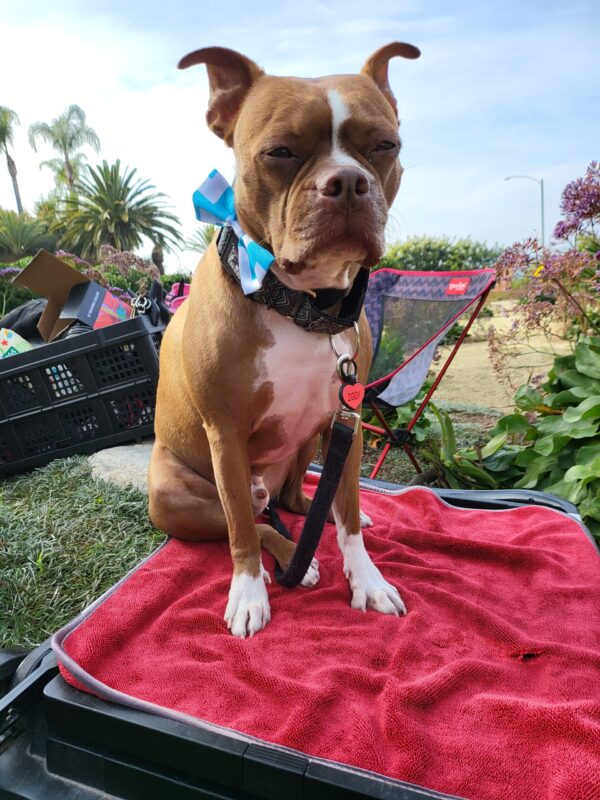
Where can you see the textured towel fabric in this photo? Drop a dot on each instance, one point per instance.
(489, 688)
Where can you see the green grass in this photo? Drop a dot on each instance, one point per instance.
(64, 539)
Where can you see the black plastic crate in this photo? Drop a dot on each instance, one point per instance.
(78, 395)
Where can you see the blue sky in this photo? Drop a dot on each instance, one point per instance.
(502, 88)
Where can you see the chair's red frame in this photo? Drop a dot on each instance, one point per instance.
(478, 303)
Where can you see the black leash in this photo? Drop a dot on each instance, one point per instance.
(339, 447)
(351, 394)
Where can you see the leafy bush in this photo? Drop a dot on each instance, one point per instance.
(550, 443)
(122, 272)
(390, 353)
(439, 254)
(12, 296)
(400, 418)
(174, 277)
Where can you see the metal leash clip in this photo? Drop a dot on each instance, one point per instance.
(345, 416)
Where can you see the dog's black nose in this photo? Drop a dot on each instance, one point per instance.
(344, 183)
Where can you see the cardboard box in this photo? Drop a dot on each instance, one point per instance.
(71, 296)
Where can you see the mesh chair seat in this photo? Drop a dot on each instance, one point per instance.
(409, 314)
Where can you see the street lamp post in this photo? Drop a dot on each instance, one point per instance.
(541, 183)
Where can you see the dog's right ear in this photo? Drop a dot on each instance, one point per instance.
(230, 76)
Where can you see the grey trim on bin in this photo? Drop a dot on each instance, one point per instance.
(520, 496)
(111, 695)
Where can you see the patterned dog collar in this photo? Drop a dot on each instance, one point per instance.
(303, 310)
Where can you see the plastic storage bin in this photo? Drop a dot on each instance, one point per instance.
(78, 395)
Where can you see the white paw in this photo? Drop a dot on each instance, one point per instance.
(365, 520)
(312, 574)
(368, 586)
(248, 608)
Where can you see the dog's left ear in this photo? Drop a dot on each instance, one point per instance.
(376, 67)
(230, 76)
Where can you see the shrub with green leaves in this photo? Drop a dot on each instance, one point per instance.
(174, 277)
(439, 253)
(400, 417)
(12, 296)
(551, 443)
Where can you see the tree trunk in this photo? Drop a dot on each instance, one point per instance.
(12, 169)
(158, 258)
(69, 170)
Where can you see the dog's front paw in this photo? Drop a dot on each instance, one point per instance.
(312, 574)
(365, 520)
(369, 587)
(248, 608)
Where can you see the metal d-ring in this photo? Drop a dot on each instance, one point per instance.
(345, 367)
(337, 352)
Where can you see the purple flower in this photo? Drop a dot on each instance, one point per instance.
(72, 257)
(9, 272)
(517, 259)
(121, 294)
(564, 228)
(580, 202)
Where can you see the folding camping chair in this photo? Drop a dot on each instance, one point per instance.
(409, 314)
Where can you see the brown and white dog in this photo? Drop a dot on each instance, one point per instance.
(244, 394)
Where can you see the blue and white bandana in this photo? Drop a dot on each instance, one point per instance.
(214, 203)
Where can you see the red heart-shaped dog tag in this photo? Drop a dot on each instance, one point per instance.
(351, 394)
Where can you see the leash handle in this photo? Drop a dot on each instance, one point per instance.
(339, 447)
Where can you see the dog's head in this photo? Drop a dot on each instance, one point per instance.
(317, 164)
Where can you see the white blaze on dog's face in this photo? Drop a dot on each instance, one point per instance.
(317, 161)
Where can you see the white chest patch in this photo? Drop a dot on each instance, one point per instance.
(300, 366)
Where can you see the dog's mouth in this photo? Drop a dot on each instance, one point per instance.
(327, 263)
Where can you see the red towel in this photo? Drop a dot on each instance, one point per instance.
(489, 688)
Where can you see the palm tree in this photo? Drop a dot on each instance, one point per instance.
(58, 167)
(201, 238)
(111, 207)
(20, 235)
(50, 211)
(66, 134)
(8, 119)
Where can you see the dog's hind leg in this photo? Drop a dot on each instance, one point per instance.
(181, 502)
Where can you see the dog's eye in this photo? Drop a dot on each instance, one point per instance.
(281, 152)
(382, 146)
